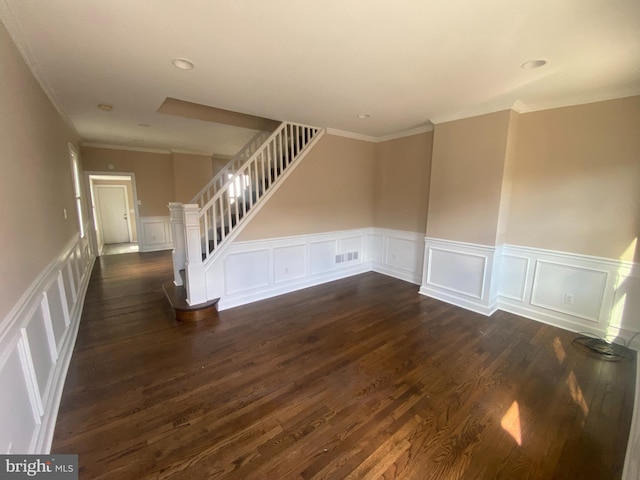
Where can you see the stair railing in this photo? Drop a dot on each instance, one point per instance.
(199, 230)
(210, 189)
(221, 215)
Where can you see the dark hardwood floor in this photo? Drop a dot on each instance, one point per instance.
(359, 378)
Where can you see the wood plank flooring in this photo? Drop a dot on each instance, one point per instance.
(359, 378)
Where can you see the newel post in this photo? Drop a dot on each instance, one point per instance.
(194, 269)
(177, 234)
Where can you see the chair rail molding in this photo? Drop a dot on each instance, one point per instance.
(36, 343)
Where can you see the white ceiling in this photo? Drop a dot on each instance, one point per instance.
(405, 62)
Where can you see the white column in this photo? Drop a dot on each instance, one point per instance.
(194, 269)
(178, 235)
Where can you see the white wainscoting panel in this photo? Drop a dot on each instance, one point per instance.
(36, 343)
(289, 263)
(513, 277)
(265, 268)
(461, 274)
(554, 283)
(397, 253)
(322, 256)
(246, 271)
(155, 234)
(571, 291)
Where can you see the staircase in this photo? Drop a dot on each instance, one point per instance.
(204, 227)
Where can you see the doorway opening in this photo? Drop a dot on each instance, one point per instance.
(115, 213)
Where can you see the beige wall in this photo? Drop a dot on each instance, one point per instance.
(190, 174)
(154, 175)
(466, 178)
(576, 179)
(332, 189)
(218, 163)
(36, 183)
(403, 169)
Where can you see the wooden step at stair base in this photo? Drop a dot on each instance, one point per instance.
(177, 297)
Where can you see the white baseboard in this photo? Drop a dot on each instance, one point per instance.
(257, 270)
(462, 274)
(36, 343)
(579, 293)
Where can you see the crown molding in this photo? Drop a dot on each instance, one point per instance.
(120, 147)
(185, 151)
(384, 138)
(406, 133)
(574, 101)
(352, 135)
(16, 33)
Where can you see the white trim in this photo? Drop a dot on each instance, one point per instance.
(146, 244)
(14, 335)
(185, 151)
(523, 288)
(451, 289)
(537, 303)
(458, 301)
(607, 320)
(585, 99)
(609, 262)
(383, 138)
(351, 135)
(294, 254)
(405, 133)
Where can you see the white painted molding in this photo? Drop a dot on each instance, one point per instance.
(351, 135)
(154, 233)
(461, 273)
(256, 270)
(405, 133)
(185, 151)
(523, 107)
(603, 290)
(31, 320)
(383, 138)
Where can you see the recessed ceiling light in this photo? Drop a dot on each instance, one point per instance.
(533, 64)
(182, 63)
(362, 116)
(105, 107)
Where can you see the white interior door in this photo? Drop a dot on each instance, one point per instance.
(113, 212)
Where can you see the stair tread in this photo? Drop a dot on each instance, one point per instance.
(177, 296)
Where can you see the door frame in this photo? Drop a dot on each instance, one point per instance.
(126, 206)
(88, 176)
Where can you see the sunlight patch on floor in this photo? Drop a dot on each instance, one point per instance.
(576, 393)
(510, 423)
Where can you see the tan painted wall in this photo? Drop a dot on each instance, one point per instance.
(332, 189)
(466, 178)
(403, 169)
(132, 213)
(36, 182)
(576, 181)
(190, 174)
(154, 175)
